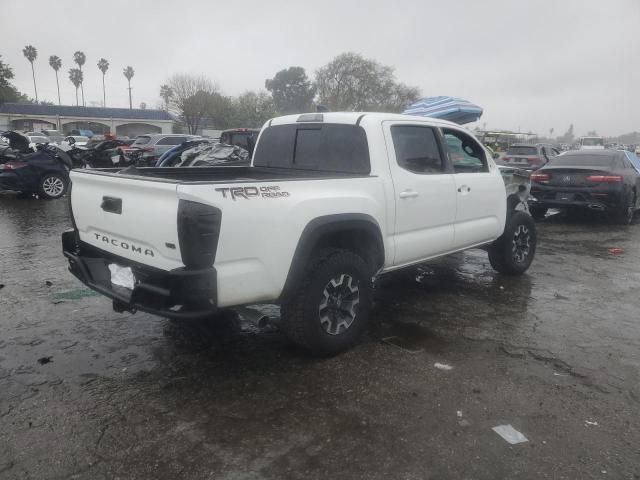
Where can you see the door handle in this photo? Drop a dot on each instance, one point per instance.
(464, 189)
(408, 194)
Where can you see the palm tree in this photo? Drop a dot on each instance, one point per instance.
(56, 63)
(128, 73)
(80, 58)
(103, 65)
(76, 77)
(166, 92)
(31, 54)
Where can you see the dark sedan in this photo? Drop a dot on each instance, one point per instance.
(603, 180)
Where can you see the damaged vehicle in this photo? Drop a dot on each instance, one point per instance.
(43, 171)
(329, 202)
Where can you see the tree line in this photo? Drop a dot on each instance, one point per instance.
(349, 82)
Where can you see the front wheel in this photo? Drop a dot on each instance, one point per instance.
(513, 252)
(329, 311)
(52, 185)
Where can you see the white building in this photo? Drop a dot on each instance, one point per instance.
(118, 121)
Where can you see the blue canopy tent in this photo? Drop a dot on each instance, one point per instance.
(447, 108)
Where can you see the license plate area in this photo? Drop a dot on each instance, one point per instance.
(564, 197)
(122, 276)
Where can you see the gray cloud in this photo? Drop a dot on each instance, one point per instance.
(531, 64)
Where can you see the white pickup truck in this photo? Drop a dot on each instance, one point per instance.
(330, 201)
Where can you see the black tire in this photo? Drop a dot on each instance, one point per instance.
(624, 215)
(325, 316)
(538, 212)
(52, 186)
(513, 252)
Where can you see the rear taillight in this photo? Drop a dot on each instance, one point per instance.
(540, 177)
(13, 165)
(198, 233)
(604, 178)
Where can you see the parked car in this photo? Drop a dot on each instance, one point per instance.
(330, 201)
(44, 171)
(54, 135)
(104, 154)
(77, 140)
(527, 156)
(603, 180)
(146, 149)
(592, 143)
(171, 157)
(241, 137)
(38, 140)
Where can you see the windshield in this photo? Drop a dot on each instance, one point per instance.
(142, 140)
(592, 142)
(522, 150)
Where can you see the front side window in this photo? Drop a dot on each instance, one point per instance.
(465, 154)
(417, 149)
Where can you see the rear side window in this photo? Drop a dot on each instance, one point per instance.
(171, 141)
(417, 149)
(142, 140)
(320, 147)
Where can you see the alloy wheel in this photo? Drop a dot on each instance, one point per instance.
(340, 298)
(521, 244)
(53, 186)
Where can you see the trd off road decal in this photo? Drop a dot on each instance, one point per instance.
(270, 191)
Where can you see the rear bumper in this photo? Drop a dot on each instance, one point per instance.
(179, 294)
(594, 199)
(10, 181)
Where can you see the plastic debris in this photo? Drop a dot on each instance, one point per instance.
(48, 283)
(616, 251)
(459, 413)
(442, 366)
(589, 422)
(45, 360)
(510, 434)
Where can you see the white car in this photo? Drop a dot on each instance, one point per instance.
(38, 140)
(74, 141)
(330, 201)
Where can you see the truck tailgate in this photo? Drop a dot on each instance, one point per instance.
(132, 218)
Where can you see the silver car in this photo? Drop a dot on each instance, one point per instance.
(150, 147)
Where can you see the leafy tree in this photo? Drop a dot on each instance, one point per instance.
(128, 73)
(56, 64)
(292, 91)
(8, 93)
(31, 54)
(194, 97)
(166, 93)
(352, 82)
(80, 58)
(253, 109)
(103, 66)
(76, 77)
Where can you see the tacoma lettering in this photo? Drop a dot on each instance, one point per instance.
(124, 245)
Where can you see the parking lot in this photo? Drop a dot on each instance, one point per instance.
(87, 393)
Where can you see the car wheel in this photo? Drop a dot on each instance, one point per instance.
(329, 311)
(538, 212)
(513, 252)
(624, 216)
(52, 185)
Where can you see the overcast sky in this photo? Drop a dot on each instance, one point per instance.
(532, 65)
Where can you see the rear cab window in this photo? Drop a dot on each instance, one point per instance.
(522, 150)
(340, 148)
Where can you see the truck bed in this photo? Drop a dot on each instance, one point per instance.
(221, 174)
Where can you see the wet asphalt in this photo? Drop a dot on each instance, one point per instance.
(87, 393)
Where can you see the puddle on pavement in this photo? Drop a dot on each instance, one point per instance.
(75, 294)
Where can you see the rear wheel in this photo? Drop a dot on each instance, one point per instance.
(624, 215)
(513, 252)
(330, 309)
(52, 185)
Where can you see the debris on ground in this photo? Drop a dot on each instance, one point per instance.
(589, 422)
(45, 360)
(48, 283)
(442, 366)
(510, 434)
(616, 251)
(1, 286)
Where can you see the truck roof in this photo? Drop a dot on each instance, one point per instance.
(353, 118)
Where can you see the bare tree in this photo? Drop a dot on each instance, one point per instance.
(76, 77)
(80, 58)
(56, 64)
(352, 82)
(31, 54)
(128, 73)
(193, 96)
(103, 66)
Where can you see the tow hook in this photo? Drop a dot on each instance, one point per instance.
(121, 307)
